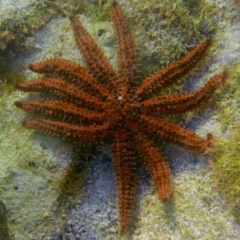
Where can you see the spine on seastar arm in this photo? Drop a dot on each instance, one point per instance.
(171, 132)
(183, 102)
(68, 132)
(156, 164)
(168, 75)
(72, 72)
(98, 64)
(128, 62)
(61, 111)
(126, 180)
(62, 90)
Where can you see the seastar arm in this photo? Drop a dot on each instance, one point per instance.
(60, 111)
(156, 164)
(62, 90)
(171, 132)
(128, 66)
(183, 102)
(126, 180)
(68, 132)
(168, 75)
(95, 59)
(72, 72)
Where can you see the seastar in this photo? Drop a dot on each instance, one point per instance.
(99, 102)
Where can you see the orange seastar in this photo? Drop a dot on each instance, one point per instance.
(100, 102)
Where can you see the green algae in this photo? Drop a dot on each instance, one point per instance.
(196, 211)
(165, 31)
(17, 24)
(4, 234)
(21, 182)
(227, 161)
(8, 78)
(76, 172)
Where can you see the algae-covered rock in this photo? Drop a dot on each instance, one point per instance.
(4, 234)
(226, 164)
(20, 18)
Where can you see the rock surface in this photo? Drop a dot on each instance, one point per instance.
(32, 164)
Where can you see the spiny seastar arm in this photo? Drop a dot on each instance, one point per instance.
(60, 111)
(183, 102)
(168, 75)
(68, 132)
(126, 180)
(71, 72)
(97, 63)
(171, 132)
(62, 90)
(127, 57)
(156, 164)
